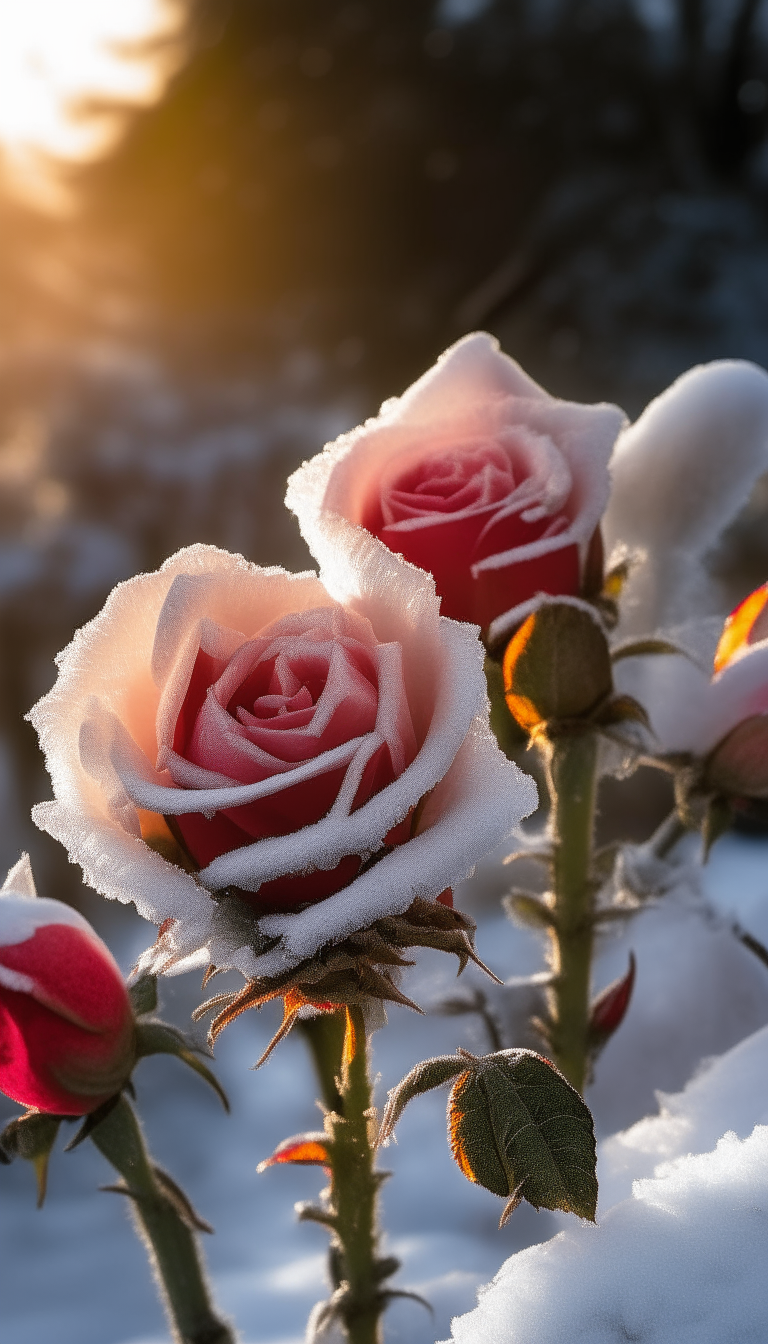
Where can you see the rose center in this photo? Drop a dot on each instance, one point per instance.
(461, 478)
(280, 689)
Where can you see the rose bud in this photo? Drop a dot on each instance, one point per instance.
(738, 765)
(557, 666)
(477, 475)
(690, 709)
(268, 763)
(67, 1036)
(746, 625)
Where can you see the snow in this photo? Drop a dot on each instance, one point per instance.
(680, 1262)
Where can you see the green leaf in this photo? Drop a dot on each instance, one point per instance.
(639, 648)
(303, 1150)
(622, 709)
(143, 995)
(32, 1137)
(519, 1129)
(426, 1076)
(157, 1038)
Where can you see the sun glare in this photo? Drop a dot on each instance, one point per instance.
(71, 71)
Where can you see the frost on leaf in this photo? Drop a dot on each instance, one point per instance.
(518, 1128)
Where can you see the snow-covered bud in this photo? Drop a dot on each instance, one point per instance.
(67, 1034)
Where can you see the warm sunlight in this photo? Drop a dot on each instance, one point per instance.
(69, 71)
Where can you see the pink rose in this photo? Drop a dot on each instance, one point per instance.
(67, 1036)
(477, 475)
(221, 729)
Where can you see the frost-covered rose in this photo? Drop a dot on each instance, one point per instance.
(276, 733)
(477, 475)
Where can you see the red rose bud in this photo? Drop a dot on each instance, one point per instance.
(557, 666)
(67, 1035)
(746, 625)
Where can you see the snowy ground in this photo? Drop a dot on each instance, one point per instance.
(75, 1272)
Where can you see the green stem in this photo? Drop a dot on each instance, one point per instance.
(573, 787)
(666, 836)
(354, 1193)
(170, 1242)
(324, 1035)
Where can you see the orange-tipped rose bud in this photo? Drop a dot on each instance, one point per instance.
(557, 666)
(67, 1033)
(746, 625)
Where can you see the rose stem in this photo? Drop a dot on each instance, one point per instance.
(572, 772)
(354, 1190)
(666, 836)
(324, 1035)
(171, 1245)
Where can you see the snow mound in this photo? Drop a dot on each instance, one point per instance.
(682, 1260)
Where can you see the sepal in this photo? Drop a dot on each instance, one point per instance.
(32, 1137)
(641, 648)
(92, 1119)
(143, 995)
(717, 819)
(157, 1038)
(352, 972)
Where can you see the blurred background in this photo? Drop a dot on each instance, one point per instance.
(231, 227)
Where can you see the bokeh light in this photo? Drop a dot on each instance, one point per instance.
(69, 75)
